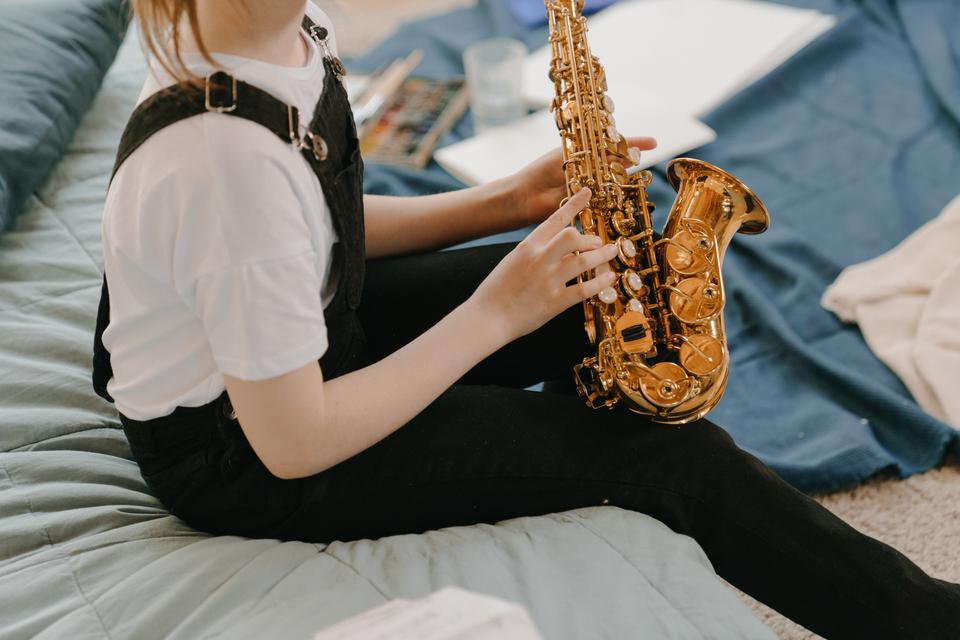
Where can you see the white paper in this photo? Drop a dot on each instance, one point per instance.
(497, 153)
(817, 27)
(355, 85)
(686, 55)
(448, 614)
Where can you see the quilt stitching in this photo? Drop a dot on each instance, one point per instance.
(66, 229)
(49, 298)
(65, 558)
(358, 574)
(579, 521)
(215, 591)
(28, 447)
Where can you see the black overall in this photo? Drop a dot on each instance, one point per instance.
(487, 450)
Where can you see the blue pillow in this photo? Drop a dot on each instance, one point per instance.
(53, 56)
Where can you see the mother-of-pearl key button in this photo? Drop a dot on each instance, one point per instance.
(607, 295)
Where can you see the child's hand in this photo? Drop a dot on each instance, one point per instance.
(529, 286)
(538, 187)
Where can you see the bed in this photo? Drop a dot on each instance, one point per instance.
(852, 144)
(86, 551)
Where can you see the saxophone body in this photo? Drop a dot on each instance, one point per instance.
(658, 330)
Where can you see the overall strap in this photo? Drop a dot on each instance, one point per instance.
(221, 93)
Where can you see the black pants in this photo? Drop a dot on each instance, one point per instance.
(486, 450)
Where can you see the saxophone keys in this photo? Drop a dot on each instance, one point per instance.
(625, 225)
(609, 104)
(695, 300)
(665, 384)
(626, 250)
(632, 284)
(633, 332)
(701, 354)
(607, 295)
(689, 252)
(618, 172)
(590, 322)
(591, 382)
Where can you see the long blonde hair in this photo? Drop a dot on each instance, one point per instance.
(161, 23)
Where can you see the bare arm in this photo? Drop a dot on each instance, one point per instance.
(404, 225)
(300, 425)
(397, 225)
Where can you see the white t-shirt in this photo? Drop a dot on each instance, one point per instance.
(217, 245)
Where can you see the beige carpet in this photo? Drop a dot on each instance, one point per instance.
(919, 516)
(360, 24)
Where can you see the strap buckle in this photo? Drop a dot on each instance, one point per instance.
(310, 141)
(319, 35)
(220, 108)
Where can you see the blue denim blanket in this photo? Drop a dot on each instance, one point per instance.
(852, 144)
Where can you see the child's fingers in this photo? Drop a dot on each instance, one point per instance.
(580, 291)
(568, 241)
(644, 143)
(586, 261)
(560, 218)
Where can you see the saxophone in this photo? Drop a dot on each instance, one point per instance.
(658, 330)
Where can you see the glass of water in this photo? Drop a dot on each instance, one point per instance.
(494, 70)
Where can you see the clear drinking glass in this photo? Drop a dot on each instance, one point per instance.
(494, 70)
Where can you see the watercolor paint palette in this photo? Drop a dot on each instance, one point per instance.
(407, 130)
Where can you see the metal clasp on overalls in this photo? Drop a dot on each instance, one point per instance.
(319, 35)
(228, 411)
(233, 94)
(309, 141)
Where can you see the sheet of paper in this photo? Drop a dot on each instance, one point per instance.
(448, 614)
(813, 30)
(355, 85)
(497, 153)
(686, 55)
